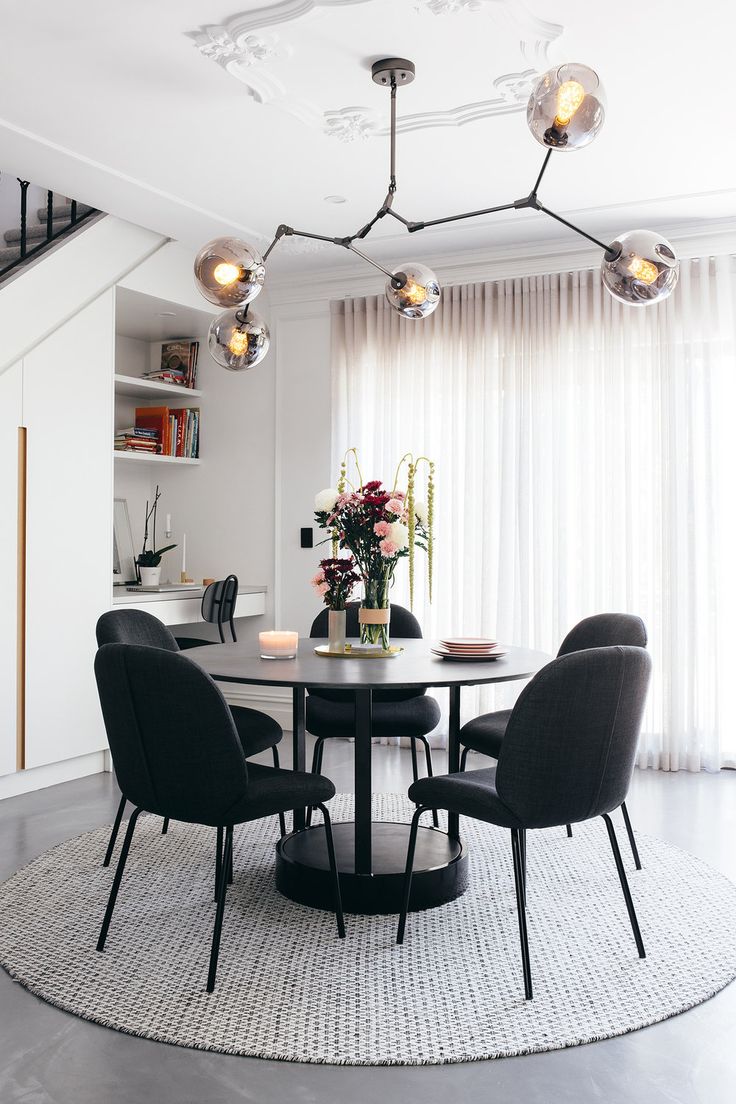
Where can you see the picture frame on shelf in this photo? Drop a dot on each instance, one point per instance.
(124, 571)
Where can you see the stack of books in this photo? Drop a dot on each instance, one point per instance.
(173, 432)
(178, 364)
(137, 439)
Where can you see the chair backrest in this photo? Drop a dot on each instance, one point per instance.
(602, 630)
(403, 623)
(132, 626)
(218, 603)
(570, 744)
(173, 742)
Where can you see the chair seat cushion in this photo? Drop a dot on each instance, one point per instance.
(257, 731)
(276, 791)
(472, 793)
(414, 717)
(486, 733)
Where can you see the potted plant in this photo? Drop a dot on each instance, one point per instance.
(334, 583)
(149, 559)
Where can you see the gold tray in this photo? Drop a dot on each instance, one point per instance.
(357, 652)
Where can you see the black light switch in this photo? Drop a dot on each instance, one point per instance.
(307, 538)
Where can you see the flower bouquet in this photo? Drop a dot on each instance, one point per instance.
(334, 583)
(378, 527)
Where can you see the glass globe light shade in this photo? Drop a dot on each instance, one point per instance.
(418, 294)
(644, 269)
(229, 272)
(566, 108)
(238, 340)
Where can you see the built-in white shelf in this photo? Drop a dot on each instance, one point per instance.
(153, 458)
(148, 389)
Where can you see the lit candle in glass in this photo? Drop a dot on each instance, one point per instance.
(278, 645)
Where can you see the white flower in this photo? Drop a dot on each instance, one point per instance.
(399, 534)
(422, 512)
(324, 502)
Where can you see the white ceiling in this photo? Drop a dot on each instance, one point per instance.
(119, 105)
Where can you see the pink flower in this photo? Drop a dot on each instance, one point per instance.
(395, 505)
(399, 494)
(388, 548)
(322, 589)
(318, 579)
(382, 528)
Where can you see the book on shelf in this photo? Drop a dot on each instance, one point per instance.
(178, 364)
(162, 431)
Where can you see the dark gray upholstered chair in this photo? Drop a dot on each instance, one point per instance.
(178, 754)
(257, 731)
(409, 713)
(218, 606)
(486, 734)
(567, 756)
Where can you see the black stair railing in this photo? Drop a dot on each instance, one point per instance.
(25, 241)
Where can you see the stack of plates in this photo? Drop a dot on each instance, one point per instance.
(469, 649)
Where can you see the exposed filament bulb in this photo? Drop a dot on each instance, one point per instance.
(238, 343)
(570, 95)
(226, 273)
(643, 270)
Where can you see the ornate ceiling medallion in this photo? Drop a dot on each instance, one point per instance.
(251, 46)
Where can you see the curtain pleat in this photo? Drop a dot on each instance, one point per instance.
(585, 463)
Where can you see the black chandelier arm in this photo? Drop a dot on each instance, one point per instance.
(542, 171)
(611, 250)
(395, 277)
(412, 227)
(281, 230)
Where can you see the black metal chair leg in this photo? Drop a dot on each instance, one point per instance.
(317, 754)
(516, 848)
(414, 764)
(117, 879)
(522, 844)
(218, 862)
(569, 830)
(115, 830)
(630, 834)
(430, 772)
(625, 886)
(165, 827)
(409, 870)
(334, 871)
(277, 764)
(215, 952)
(463, 758)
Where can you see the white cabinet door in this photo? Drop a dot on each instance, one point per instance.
(67, 405)
(11, 416)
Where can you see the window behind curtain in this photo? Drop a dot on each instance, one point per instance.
(585, 463)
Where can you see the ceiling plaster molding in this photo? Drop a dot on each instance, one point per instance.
(700, 238)
(245, 54)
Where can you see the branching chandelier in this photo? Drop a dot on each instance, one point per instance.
(565, 112)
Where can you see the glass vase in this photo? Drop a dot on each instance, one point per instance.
(374, 615)
(336, 630)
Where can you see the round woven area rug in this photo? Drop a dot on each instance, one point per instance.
(288, 989)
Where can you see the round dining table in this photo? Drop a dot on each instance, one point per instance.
(371, 855)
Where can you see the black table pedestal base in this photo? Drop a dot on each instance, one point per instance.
(303, 874)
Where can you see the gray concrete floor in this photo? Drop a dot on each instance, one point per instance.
(50, 1057)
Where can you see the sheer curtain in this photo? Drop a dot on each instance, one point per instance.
(585, 457)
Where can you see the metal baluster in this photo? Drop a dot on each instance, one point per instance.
(24, 185)
(49, 215)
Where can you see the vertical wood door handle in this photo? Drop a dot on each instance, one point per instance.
(20, 738)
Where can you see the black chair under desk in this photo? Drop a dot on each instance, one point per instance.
(567, 756)
(257, 731)
(177, 754)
